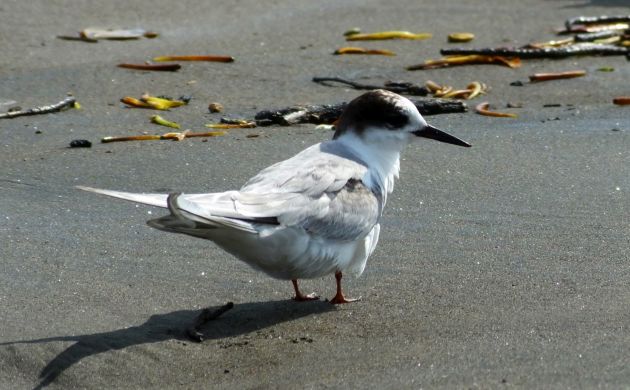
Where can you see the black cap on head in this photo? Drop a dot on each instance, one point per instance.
(376, 108)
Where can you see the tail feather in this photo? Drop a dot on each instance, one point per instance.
(158, 200)
(180, 220)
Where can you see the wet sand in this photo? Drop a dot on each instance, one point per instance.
(502, 265)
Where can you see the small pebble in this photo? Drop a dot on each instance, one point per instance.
(215, 107)
(80, 143)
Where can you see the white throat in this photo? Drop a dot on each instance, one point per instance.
(382, 157)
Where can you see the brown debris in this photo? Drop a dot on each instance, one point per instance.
(175, 136)
(152, 67)
(64, 104)
(537, 77)
(93, 34)
(360, 50)
(483, 109)
(512, 62)
(211, 58)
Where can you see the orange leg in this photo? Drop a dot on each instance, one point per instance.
(339, 298)
(301, 297)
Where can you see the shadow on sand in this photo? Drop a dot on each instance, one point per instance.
(243, 319)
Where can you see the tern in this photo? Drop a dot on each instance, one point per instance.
(315, 214)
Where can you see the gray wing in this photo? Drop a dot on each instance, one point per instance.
(320, 192)
(351, 213)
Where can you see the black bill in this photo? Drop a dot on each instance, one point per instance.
(439, 135)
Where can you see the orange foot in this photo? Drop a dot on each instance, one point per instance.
(299, 297)
(339, 298)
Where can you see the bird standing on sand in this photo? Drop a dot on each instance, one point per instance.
(316, 213)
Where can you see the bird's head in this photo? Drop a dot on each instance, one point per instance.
(383, 118)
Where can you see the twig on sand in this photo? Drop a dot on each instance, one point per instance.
(329, 113)
(545, 52)
(65, 103)
(404, 88)
(175, 136)
(204, 317)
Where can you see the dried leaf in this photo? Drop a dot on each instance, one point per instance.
(461, 37)
(482, 109)
(161, 121)
(512, 62)
(153, 102)
(243, 125)
(360, 50)
(388, 35)
(131, 101)
(622, 100)
(162, 103)
(153, 67)
(556, 75)
(194, 58)
(475, 88)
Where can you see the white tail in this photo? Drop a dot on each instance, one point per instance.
(158, 200)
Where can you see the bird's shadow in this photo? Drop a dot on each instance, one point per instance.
(243, 319)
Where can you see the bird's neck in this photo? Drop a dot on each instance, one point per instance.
(382, 160)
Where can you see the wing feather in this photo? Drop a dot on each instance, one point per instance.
(325, 196)
(319, 190)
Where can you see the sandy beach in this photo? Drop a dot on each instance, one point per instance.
(504, 265)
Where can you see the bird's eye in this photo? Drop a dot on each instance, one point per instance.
(396, 121)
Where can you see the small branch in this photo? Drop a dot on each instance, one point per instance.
(536, 77)
(546, 52)
(396, 87)
(65, 103)
(329, 113)
(596, 20)
(175, 136)
(194, 58)
(153, 67)
(592, 36)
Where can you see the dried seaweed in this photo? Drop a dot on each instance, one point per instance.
(545, 52)
(404, 88)
(329, 113)
(585, 20)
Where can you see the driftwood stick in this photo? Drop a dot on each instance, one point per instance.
(396, 87)
(590, 37)
(328, 113)
(546, 52)
(65, 103)
(596, 20)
